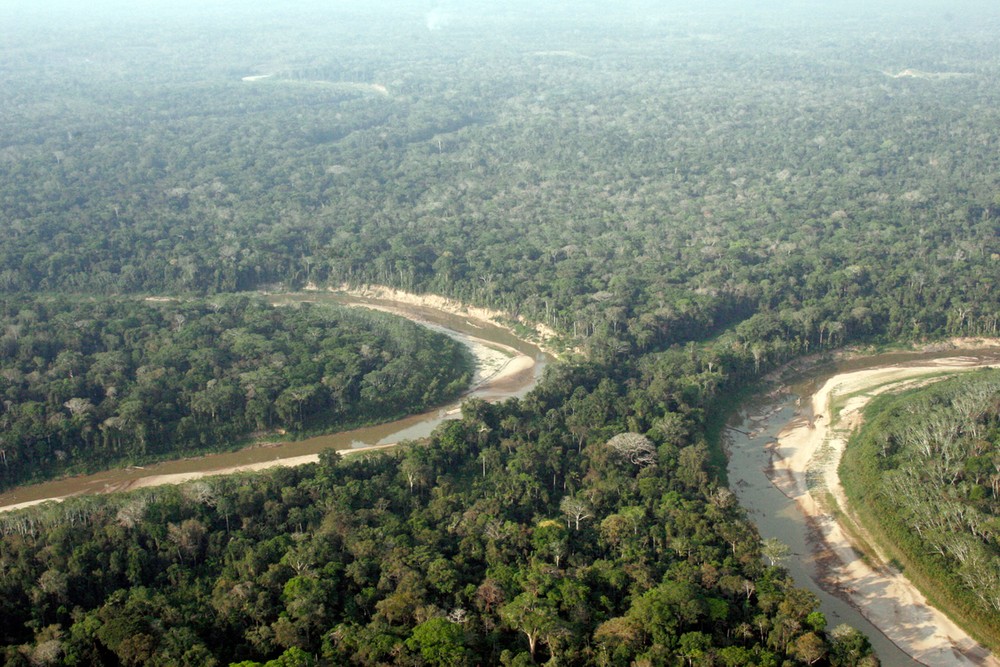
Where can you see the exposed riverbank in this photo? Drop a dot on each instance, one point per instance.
(804, 466)
(494, 362)
(543, 336)
(504, 367)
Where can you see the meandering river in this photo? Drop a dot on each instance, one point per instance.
(778, 516)
(499, 383)
(750, 458)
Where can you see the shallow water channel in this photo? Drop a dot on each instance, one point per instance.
(411, 427)
(776, 515)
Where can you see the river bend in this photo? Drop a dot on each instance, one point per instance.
(507, 366)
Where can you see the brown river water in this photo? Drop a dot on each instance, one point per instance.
(749, 459)
(412, 427)
(777, 516)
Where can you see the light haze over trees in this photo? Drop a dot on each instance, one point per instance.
(689, 194)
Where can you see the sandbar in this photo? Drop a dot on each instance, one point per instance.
(812, 446)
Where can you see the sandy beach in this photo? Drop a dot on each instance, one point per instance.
(494, 362)
(812, 446)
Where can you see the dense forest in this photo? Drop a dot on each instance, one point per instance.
(689, 195)
(91, 384)
(631, 189)
(924, 472)
(542, 529)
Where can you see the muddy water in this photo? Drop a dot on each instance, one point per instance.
(414, 426)
(778, 516)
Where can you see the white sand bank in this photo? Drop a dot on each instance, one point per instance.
(881, 593)
(543, 333)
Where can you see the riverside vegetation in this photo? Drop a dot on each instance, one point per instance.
(923, 474)
(103, 382)
(689, 198)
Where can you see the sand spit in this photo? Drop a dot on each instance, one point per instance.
(494, 362)
(910, 73)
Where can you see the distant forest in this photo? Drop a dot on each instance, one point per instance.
(689, 196)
